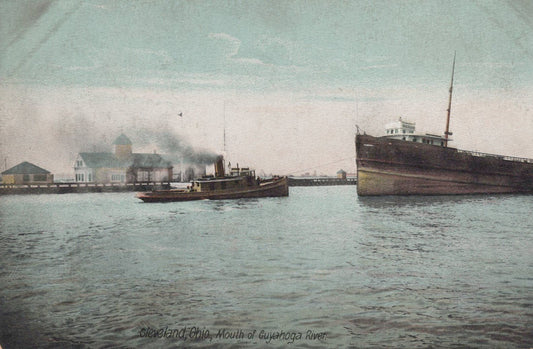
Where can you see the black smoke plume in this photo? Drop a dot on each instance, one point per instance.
(172, 144)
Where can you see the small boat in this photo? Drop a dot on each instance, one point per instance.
(240, 183)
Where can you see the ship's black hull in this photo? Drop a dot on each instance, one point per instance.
(394, 167)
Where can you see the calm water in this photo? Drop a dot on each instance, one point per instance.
(321, 268)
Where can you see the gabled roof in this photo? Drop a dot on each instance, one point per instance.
(150, 160)
(122, 140)
(25, 168)
(99, 160)
(341, 171)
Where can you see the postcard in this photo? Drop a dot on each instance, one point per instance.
(266, 174)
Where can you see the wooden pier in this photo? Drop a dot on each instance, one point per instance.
(320, 181)
(64, 188)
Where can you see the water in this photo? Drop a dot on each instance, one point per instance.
(321, 268)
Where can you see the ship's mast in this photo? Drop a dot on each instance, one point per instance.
(447, 132)
(224, 155)
(224, 111)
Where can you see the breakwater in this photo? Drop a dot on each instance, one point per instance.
(64, 188)
(320, 181)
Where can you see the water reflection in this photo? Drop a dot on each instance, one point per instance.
(225, 205)
(407, 201)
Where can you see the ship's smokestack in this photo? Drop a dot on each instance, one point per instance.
(219, 166)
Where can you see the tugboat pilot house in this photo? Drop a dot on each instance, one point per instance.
(122, 166)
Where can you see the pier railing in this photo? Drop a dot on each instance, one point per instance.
(320, 181)
(78, 187)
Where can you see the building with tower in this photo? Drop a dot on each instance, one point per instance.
(122, 165)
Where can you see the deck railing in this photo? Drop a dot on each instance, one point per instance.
(501, 157)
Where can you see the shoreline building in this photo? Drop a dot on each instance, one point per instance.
(27, 173)
(341, 174)
(122, 166)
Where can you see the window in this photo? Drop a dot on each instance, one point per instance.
(142, 175)
(39, 178)
(26, 178)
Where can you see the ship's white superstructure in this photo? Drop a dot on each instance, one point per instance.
(405, 130)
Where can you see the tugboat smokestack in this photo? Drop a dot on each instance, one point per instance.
(219, 166)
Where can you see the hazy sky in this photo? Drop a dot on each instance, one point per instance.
(288, 79)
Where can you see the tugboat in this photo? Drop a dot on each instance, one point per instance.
(407, 163)
(240, 183)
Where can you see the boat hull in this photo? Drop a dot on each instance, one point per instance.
(276, 188)
(394, 167)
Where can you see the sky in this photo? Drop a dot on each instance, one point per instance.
(275, 85)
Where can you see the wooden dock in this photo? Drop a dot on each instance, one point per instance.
(64, 188)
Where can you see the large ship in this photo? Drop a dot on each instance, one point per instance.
(404, 162)
(239, 183)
